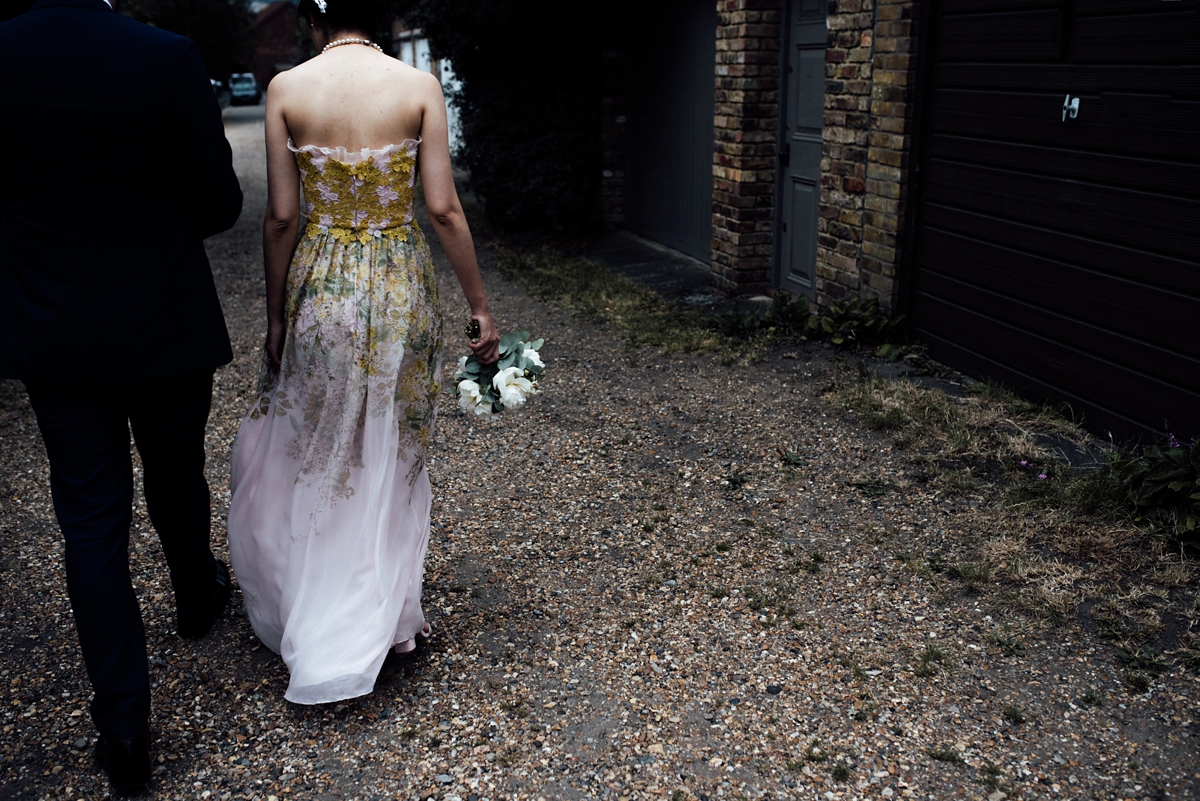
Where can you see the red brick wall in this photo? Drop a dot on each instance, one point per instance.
(864, 157)
(863, 177)
(747, 111)
(893, 82)
(863, 182)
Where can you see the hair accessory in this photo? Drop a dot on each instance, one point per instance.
(320, 5)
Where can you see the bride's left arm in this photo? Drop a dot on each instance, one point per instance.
(282, 219)
(448, 220)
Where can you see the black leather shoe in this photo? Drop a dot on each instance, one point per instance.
(197, 621)
(127, 762)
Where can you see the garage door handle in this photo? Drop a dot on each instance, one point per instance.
(1071, 107)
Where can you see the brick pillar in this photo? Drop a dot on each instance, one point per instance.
(746, 120)
(863, 169)
(894, 81)
(844, 151)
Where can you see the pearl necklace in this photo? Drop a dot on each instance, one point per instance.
(341, 42)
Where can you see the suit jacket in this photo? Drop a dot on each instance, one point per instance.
(114, 167)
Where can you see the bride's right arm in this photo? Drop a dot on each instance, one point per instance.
(283, 215)
(449, 222)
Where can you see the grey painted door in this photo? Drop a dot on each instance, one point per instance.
(800, 150)
(670, 131)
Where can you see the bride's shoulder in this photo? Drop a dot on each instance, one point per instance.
(282, 84)
(412, 80)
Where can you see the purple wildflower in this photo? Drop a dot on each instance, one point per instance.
(1041, 475)
(1024, 463)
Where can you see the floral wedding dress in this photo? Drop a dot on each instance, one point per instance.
(329, 519)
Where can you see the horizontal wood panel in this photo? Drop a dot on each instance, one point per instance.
(1180, 81)
(1142, 266)
(1157, 175)
(1100, 341)
(1096, 418)
(1009, 36)
(951, 8)
(1061, 370)
(1146, 38)
(1091, 7)
(1107, 214)
(1143, 125)
(1076, 294)
(1063, 257)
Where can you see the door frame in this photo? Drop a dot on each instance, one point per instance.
(785, 29)
(907, 265)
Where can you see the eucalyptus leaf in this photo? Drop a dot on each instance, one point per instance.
(511, 340)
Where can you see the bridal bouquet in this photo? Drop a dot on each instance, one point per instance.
(487, 389)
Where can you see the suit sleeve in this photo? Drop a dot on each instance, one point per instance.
(217, 196)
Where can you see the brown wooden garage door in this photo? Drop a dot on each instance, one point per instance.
(1062, 256)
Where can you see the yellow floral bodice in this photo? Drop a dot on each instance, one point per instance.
(358, 196)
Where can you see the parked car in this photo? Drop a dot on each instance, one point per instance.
(244, 89)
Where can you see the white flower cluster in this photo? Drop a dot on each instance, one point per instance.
(487, 389)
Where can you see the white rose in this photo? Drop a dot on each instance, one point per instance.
(471, 399)
(462, 364)
(512, 387)
(533, 356)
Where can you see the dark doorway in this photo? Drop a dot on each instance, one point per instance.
(671, 73)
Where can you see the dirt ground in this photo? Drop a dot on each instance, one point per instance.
(631, 597)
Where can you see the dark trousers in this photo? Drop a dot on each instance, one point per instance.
(86, 426)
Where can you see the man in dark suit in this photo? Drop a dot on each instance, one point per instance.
(116, 168)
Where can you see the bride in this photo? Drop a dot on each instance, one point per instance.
(329, 519)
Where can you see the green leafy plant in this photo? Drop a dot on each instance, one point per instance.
(855, 322)
(1162, 483)
(1140, 658)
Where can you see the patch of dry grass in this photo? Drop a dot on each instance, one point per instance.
(988, 422)
(640, 316)
(1049, 539)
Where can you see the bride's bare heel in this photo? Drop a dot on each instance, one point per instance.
(408, 646)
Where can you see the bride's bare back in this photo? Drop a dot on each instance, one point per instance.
(354, 96)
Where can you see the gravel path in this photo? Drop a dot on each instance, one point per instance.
(613, 617)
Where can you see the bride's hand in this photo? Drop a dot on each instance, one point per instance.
(487, 347)
(274, 344)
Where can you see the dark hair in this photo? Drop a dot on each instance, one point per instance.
(367, 16)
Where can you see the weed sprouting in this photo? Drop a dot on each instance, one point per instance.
(1135, 681)
(945, 755)
(973, 575)
(930, 659)
(1138, 658)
